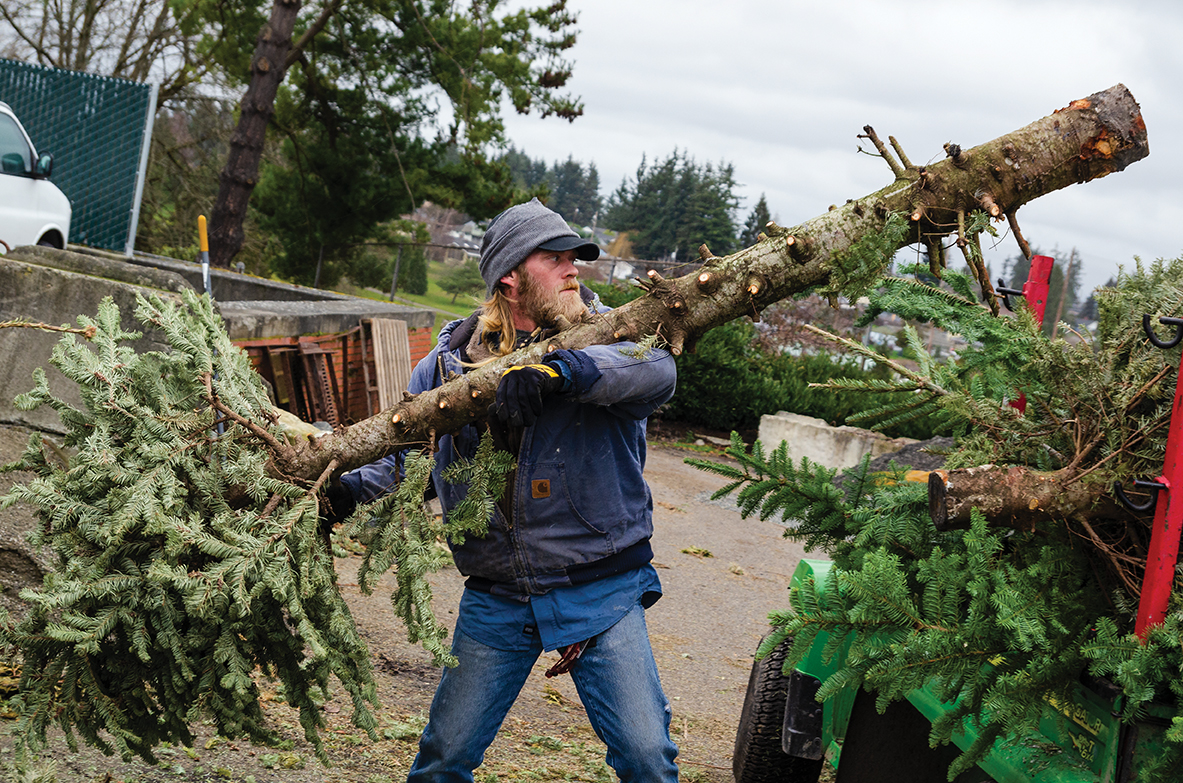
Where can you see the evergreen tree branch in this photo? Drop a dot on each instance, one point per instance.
(87, 332)
(910, 604)
(278, 447)
(921, 381)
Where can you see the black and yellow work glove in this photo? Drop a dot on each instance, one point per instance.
(520, 392)
(336, 506)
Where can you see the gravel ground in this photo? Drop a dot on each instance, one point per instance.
(721, 576)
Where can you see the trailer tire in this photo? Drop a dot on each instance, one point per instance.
(758, 757)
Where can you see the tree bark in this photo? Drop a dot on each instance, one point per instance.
(1089, 138)
(238, 178)
(1015, 497)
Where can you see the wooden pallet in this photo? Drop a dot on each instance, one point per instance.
(392, 360)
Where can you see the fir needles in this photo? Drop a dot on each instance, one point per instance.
(186, 569)
(1001, 620)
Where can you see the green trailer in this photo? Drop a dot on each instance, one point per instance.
(785, 735)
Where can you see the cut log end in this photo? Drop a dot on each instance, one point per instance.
(937, 492)
(1013, 497)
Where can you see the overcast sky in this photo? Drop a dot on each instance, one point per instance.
(781, 90)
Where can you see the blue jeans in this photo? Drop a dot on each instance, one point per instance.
(616, 680)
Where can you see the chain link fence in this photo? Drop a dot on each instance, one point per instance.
(98, 129)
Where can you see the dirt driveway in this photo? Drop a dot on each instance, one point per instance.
(721, 576)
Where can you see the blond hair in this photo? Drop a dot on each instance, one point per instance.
(496, 324)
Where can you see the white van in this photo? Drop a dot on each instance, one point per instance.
(33, 211)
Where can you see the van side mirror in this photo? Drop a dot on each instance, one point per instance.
(44, 166)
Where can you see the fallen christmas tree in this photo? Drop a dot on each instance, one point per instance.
(839, 253)
(185, 567)
(188, 528)
(1041, 583)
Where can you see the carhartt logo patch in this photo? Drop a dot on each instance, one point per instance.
(540, 488)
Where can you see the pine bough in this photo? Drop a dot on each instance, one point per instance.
(1002, 619)
(186, 570)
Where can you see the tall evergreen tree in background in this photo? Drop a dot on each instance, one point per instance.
(569, 188)
(674, 206)
(1088, 311)
(528, 173)
(575, 191)
(757, 221)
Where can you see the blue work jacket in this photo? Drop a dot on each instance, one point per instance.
(581, 509)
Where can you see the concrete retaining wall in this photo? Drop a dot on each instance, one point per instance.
(56, 286)
(230, 286)
(834, 447)
(55, 296)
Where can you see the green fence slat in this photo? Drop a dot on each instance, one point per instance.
(95, 128)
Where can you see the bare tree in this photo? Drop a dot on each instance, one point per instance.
(139, 40)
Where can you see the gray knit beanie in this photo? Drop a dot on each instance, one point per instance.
(519, 231)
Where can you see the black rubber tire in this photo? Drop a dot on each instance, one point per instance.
(758, 757)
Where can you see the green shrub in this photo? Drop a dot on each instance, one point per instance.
(412, 271)
(728, 382)
(615, 295)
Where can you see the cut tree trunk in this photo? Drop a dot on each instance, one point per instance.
(239, 176)
(1089, 138)
(1016, 497)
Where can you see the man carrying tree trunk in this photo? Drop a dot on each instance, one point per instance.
(566, 562)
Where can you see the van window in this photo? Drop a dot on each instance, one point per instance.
(15, 155)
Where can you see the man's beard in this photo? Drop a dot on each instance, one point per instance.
(544, 306)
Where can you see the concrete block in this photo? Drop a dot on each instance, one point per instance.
(107, 266)
(55, 296)
(823, 444)
(229, 286)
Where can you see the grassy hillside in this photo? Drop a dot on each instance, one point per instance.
(435, 298)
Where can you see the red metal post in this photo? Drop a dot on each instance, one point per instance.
(1168, 525)
(1036, 288)
(1035, 292)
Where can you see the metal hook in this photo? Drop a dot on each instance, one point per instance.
(1166, 321)
(1007, 293)
(1154, 487)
